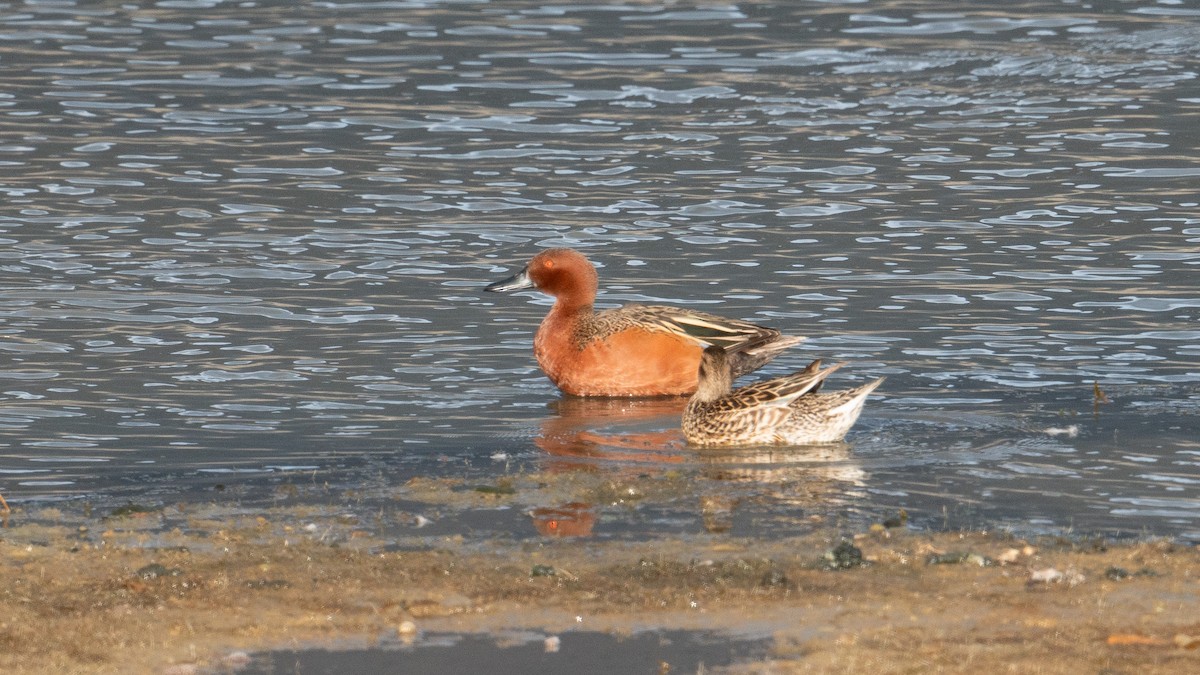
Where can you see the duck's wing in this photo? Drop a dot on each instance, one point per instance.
(783, 390)
(838, 401)
(750, 345)
(750, 414)
(824, 418)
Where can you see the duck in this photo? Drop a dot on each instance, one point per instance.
(631, 351)
(787, 410)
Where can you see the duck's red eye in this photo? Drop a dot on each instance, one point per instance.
(548, 264)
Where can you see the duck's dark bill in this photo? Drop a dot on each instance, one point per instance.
(514, 283)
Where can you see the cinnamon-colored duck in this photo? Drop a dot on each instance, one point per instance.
(635, 350)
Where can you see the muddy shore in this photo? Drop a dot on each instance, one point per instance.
(118, 593)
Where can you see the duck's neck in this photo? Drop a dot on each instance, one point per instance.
(712, 386)
(562, 326)
(570, 309)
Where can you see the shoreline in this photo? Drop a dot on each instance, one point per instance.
(118, 594)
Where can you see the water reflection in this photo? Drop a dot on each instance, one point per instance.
(574, 519)
(831, 463)
(629, 439)
(578, 432)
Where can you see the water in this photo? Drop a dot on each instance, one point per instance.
(532, 653)
(244, 244)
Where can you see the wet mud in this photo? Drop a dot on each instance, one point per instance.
(117, 592)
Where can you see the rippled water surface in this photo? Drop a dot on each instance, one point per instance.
(246, 242)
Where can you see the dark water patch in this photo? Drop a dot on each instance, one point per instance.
(577, 651)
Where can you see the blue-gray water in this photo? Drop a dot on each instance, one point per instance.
(246, 242)
(525, 652)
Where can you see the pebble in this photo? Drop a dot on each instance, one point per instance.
(155, 570)
(844, 556)
(1070, 431)
(1009, 557)
(1050, 575)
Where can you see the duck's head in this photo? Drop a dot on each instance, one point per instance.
(715, 377)
(562, 272)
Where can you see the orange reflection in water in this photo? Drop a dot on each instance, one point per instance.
(621, 430)
(575, 519)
